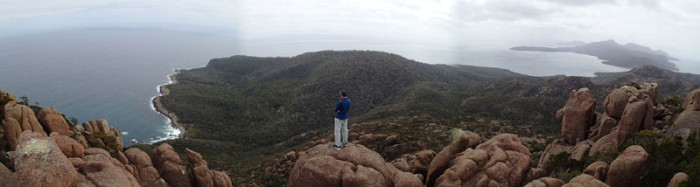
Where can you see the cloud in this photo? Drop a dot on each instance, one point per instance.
(667, 24)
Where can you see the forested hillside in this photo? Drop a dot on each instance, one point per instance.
(242, 111)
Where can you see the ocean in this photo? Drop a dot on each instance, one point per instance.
(113, 74)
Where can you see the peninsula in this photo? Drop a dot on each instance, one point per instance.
(627, 56)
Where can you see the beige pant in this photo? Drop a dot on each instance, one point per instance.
(341, 127)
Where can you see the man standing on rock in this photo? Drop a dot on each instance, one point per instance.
(341, 120)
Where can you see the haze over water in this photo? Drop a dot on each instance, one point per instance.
(95, 59)
(113, 73)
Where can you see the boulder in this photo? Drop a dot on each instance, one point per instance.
(17, 119)
(606, 125)
(627, 168)
(585, 180)
(99, 169)
(650, 89)
(38, 161)
(101, 127)
(616, 101)
(122, 158)
(660, 111)
(7, 178)
(97, 151)
(638, 115)
(291, 156)
(84, 182)
(692, 101)
(7, 96)
(416, 163)
(577, 116)
(53, 121)
(24, 115)
(552, 149)
(442, 160)
(172, 168)
(686, 123)
(147, 175)
(12, 132)
(501, 161)
(534, 174)
(81, 139)
(354, 165)
(401, 164)
(606, 144)
(677, 179)
(76, 161)
(598, 170)
(545, 182)
(581, 149)
(203, 176)
(68, 146)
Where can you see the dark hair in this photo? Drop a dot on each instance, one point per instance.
(343, 93)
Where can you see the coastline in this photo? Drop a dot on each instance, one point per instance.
(172, 119)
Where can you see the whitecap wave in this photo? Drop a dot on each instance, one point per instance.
(169, 130)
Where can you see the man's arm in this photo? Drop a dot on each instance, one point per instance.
(337, 108)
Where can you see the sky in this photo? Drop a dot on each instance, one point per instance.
(671, 25)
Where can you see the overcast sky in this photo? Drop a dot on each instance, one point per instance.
(671, 25)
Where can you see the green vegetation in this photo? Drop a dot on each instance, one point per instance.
(562, 167)
(667, 156)
(238, 110)
(98, 140)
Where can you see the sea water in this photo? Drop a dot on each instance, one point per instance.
(105, 74)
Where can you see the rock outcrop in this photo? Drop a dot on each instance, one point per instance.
(598, 170)
(203, 176)
(68, 146)
(577, 116)
(689, 120)
(100, 128)
(53, 121)
(677, 179)
(442, 160)
(604, 128)
(144, 172)
(38, 162)
(627, 168)
(7, 178)
(576, 152)
(585, 180)
(172, 168)
(354, 165)
(545, 182)
(17, 119)
(8, 96)
(102, 170)
(686, 123)
(692, 101)
(416, 163)
(638, 115)
(616, 102)
(500, 161)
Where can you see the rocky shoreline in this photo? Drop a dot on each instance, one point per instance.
(158, 106)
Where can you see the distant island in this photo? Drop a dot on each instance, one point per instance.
(627, 56)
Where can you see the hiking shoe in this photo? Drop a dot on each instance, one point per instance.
(336, 147)
(345, 144)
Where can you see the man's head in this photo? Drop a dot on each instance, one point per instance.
(343, 94)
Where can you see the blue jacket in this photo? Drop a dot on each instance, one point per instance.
(342, 109)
